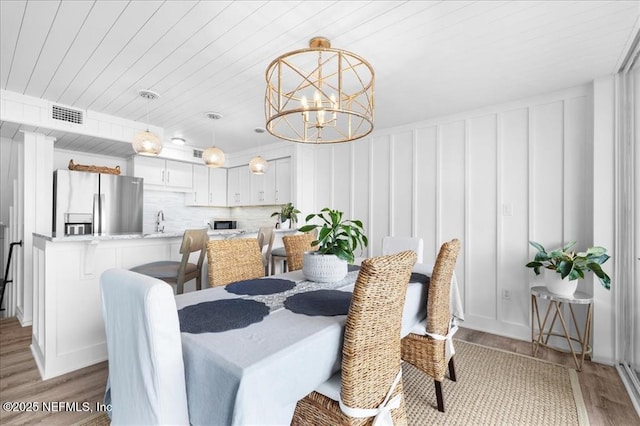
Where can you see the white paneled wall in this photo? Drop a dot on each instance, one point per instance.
(494, 179)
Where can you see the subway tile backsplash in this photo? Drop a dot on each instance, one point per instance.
(178, 217)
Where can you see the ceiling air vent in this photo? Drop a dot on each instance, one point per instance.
(197, 153)
(66, 114)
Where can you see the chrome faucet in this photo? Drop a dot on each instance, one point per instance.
(160, 221)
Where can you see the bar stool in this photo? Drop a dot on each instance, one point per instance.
(174, 272)
(266, 237)
(278, 254)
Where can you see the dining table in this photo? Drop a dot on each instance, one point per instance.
(252, 349)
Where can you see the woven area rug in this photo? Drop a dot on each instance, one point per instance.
(496, 387)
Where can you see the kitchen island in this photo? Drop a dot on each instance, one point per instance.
(68, 330)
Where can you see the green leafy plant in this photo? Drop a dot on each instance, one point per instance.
(571, 264)
(337, 236)
(287, 211)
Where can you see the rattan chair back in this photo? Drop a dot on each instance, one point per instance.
(423, 351)
(371, 349)
(234, 260)
(438, 300)
(295, 246)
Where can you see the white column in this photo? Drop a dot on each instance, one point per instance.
(36, 190)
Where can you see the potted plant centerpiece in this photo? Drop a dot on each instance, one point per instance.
(337, 239)
(564, 267)
(287, 212)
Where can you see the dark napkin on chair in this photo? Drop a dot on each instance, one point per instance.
(320, 303)
(419, 278)
(221, 315)
(260, 286)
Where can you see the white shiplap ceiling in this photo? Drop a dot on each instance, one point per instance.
(431, 58)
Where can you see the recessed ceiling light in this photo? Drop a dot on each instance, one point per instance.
(178, 141)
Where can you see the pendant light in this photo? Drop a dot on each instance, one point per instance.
(258, 165)
(146, 143)
(319, 95)
(213, 156)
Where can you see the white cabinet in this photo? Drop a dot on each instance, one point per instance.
(218, 187)
(200, 194)
(209, 187)
(273, 187)
(238, 186)
(164, 174)
(263, 187)
(247, 189)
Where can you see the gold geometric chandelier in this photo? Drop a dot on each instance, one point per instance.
(319, 95)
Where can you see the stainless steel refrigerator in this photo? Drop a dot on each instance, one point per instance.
(96, 203)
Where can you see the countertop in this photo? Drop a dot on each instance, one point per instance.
(224, 233)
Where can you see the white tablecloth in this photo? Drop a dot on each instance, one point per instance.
(256, 374)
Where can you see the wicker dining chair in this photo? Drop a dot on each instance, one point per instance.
(295, 246)
(371, 371)
(180, 272)
(421, 350)
(234, 260)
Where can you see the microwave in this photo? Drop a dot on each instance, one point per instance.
(225, 224)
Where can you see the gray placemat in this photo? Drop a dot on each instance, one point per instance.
(320, 303)
(260, 286)
(221, 315)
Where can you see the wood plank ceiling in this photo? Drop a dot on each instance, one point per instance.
(431, 58)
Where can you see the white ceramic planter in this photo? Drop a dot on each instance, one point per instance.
(323, 268)
(556, 285)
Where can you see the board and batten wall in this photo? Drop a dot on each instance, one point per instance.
(494, 178)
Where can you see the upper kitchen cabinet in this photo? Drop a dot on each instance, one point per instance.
(167, 175)
(263, 187)
(273, 187)
(209, 187)
(238, 186)
(200, 194)
(218, 187)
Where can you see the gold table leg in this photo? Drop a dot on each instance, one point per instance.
(542, 338)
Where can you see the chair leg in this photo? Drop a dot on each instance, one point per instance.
(452, 370)
(439, 397)
(198, 282)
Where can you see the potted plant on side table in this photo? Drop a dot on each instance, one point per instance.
(564, 267)
(287, 212)
(337, 239)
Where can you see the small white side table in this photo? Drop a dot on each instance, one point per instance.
(543, 332)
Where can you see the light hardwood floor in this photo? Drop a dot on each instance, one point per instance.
(605, 397)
